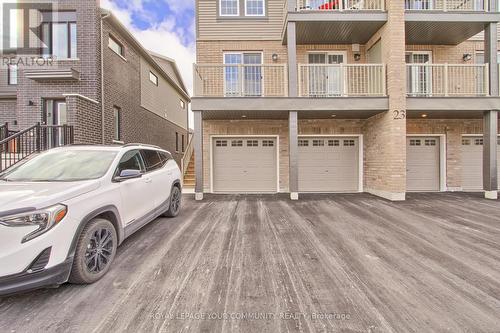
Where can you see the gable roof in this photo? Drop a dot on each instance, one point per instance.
(170, 67)
(174, 80)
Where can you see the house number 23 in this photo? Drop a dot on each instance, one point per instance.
(399, 114)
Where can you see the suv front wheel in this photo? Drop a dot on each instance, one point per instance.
(95, 251)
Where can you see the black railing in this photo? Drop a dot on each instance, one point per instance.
(21, 145)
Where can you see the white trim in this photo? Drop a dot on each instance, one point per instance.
(360, 138)
(230, 15)
(253, 15)
(82, 97)
(442, 158)
(214, 136)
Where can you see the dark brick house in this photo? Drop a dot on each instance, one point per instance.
(101, 81)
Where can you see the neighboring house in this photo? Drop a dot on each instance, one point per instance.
(346, 96)
(103, 83)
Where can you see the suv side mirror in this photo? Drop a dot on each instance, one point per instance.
(128, 174)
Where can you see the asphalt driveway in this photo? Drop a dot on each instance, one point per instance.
(350, 263)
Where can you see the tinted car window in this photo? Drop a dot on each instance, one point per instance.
(131, 160)
(152, 159)
(164, 157)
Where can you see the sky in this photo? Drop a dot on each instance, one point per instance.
(166, 27)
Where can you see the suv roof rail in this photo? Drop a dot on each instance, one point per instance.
(141, 145)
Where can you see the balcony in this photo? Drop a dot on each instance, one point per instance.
(344, 80)
(461, 19)
(240, 81)
(335, 21)
(447, 80)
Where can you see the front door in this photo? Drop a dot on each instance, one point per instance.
(420, 73)
(55, 116)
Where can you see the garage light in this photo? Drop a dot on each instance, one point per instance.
(334, 115)
(243, 116)
(424, 116)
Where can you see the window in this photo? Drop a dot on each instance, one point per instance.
(478, 142)
(430, 142)
(252, 143)
(59, 35)
(254, 8)
(318, 143)
(131, 160)
(349, 143)
(153, 78)
(152, 160)
(333, 143)
(182, 143)
(117, 121)
(183, 104)
(12, 75)
(164, 157)
(244, 80)
(465, 142)
(237, 143)
(176, 141)
(221, 143)
(229, 7)
(116, 46)
(303, 143)
(267, 143)
(415, 142)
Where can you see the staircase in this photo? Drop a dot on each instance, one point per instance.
(189, 175)
(17, 147)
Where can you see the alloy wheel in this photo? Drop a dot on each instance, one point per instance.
(99, 250)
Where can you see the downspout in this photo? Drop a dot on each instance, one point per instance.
(103, 126)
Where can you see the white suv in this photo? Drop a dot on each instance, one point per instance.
(64, 212)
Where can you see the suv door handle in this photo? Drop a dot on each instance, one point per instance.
(148, 180)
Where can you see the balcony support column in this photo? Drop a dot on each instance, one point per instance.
(198, 154)
(490, 176)
(490, 56)
(293, 128)
(292, 60)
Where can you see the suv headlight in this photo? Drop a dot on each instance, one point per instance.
(44, 219)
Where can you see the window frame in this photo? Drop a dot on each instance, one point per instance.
(230, 15)
(49, 51)
(256, 15)
(118, 43)
(117, 123)
(183, 104)
(10, 75)
(177, 142)
(155, 77)
(183, 143)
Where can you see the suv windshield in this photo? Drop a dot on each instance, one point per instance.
(63, 166)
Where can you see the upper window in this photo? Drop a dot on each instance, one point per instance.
(12, 75)
(117, 118)
(152, 159)
(254, 8)
(183, 104)
(116, 46)
(153, 78)
(229, 7)
(59, 35)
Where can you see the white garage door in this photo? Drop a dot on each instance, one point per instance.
(328, 164)
(245, 165)
(422, 164)
(472, 163)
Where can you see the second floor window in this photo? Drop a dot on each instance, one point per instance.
(254, 8)
(117, 123)
(12, 75)
(59, 34)
(153, 78)
(116, 46)
(229, 8)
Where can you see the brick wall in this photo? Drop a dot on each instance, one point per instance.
(122, 89)
(8, 112)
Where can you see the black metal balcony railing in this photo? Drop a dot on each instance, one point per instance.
(16, 148)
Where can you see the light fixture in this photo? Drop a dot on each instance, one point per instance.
(334, 115)
(243, 116)
(275, 57)
(31, 103)
(424, 115)
(467, 57)
(357, 57)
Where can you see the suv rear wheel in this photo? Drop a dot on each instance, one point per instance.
(95, 251)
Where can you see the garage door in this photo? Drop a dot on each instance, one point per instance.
(244, 165)
(328, 164)
(472, 163)
(422, 164)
